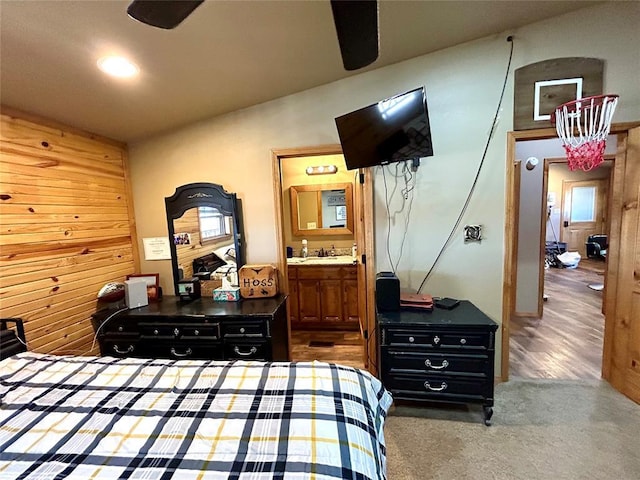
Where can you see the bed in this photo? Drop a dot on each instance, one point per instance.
(106, 418)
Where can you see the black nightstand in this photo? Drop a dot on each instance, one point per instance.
(439, 356)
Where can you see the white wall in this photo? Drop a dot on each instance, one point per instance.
(463, 87)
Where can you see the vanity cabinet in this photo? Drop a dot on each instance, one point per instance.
(323, 296)
(251, 329)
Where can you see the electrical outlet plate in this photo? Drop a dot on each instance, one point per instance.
(472, 233)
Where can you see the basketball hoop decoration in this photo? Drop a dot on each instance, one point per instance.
(583, 126)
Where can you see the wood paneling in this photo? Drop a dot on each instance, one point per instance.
(188, 223)
(67, 228)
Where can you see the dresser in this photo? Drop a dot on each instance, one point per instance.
(250, 329)
(439, 356)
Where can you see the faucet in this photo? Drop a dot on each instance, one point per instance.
(321, 252)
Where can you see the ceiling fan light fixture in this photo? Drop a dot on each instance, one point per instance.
(166, 14)
(356, 24)
(118, 67)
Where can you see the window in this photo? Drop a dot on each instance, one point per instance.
(212, 223)
(583, 204)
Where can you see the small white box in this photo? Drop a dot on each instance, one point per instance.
(135, 293)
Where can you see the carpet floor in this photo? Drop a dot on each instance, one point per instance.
(542, 429)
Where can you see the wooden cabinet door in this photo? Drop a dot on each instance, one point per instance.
(331, 300)
(309, 300)
(294, 306)
(350, 300)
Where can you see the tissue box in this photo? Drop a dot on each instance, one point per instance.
(258, 281)
(231, 294)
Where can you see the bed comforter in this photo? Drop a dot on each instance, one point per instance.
(107, 418)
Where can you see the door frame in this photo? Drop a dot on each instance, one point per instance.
(545, 218)
(510, 268)
(363, 209)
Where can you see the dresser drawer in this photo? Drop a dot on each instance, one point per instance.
(122, 346)
(246, 351)
(181, 350)
(118, 325)
(243, 329)
(438, 387)
(443, 363)
(183, 331)
(431, 338)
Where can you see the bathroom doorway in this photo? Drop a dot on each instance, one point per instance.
(330, 308)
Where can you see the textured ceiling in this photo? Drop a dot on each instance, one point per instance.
(226, 56)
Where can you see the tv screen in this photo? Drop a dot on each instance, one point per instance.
(392, 130)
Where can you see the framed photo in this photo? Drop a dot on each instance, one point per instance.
(182, 238)
(153, 284)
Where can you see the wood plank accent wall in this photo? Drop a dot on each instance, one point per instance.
(67, 228)
(188, 223)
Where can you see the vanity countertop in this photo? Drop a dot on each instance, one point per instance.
(337, 260)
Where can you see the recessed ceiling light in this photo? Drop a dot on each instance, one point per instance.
(118, 67)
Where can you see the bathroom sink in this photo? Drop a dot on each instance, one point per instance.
(296, 260)
(338, 259)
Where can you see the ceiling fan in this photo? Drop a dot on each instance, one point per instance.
(356, 24)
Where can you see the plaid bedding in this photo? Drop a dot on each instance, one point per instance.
(107, 418)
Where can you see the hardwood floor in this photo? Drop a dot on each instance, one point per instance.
(566, 343)
(344, 347)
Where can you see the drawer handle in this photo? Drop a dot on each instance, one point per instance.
(251, 351)
(176, 332)
(443, 386)
(411, 339)
(463, 341)
(242, 330)
(128, 350)
(186, 353)
(428, 363)
(436, 339)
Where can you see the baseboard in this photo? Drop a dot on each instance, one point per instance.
(526, 315)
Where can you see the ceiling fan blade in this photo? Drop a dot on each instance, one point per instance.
(165, 14)
(357, 27)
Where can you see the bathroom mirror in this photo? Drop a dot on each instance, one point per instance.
(205, 232)
(322, 209)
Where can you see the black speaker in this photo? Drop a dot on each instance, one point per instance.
(387, 292)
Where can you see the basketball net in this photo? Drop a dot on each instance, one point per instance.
(583, 126)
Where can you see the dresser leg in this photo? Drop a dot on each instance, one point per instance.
(488, 413)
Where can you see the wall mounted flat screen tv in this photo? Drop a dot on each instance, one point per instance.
(391, 130)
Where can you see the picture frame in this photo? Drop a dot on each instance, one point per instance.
(154, 293)
(182, 239)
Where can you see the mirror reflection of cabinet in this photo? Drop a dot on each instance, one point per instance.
(322, 209)
(205, 230)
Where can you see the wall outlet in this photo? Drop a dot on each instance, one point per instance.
(472, 233)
